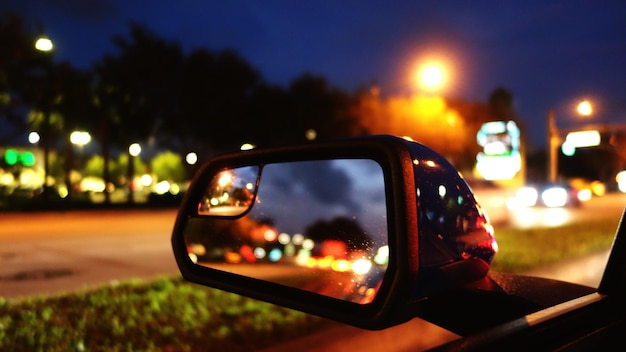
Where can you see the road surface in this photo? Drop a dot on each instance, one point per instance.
(54, 252)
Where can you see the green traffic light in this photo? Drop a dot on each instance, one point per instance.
(11, 156)
(27, 158)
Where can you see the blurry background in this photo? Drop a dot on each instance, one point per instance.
(119, 101)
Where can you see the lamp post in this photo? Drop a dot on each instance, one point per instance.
(584, 108)
(45, 45)
(133, 151)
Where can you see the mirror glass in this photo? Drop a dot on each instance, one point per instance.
(320, 226)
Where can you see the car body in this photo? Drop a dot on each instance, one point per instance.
(432, 252)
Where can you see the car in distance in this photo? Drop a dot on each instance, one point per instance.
(405, 211)
(551, 195)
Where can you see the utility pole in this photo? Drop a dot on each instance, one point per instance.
(553, 144)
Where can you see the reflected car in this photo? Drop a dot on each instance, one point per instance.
(551, 195)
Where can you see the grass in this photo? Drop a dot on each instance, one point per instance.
(522, 250)
(170, 314)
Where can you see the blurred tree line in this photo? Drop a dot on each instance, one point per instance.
(208, 102)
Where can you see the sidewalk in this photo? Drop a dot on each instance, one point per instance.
(586, 270)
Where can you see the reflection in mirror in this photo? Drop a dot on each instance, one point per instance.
(230, 192)
(317, 225)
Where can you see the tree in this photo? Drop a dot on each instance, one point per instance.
(136, 89)
(18, 62)
(215, 90)
(168, 166)
(316, 106)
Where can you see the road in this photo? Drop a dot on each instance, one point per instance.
(495, 203)
(53, 252)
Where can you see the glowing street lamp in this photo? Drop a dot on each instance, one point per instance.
(584, 108)
(80, 138)
(134, 149)
(44, 44)
(432, 75)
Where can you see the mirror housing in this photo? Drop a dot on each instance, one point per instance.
(436, 234)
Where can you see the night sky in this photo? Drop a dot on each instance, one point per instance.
(549, 54)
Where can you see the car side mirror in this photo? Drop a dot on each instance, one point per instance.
(354, 230)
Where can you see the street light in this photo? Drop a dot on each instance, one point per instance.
(584, 108)
(45, 45)
(432, 75)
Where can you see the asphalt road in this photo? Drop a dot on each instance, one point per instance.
(54, 252)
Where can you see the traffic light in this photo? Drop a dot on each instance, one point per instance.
(11, 156)
(14, 157)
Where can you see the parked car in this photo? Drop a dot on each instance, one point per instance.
(421, 228)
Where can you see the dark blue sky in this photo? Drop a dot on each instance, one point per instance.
(549, 54)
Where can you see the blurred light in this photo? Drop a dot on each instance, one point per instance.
(62, 191)
(33, 137)
(382, 256)
(92, 184)
(568, 149)
(44, 44)
(225, 179)
(297, 239)
(290, 249)
(340, 265)
(621, 181)
(270, 235)
(191, 158)
(554, 197)
(584, 194)
(361, 266)
(498, 167)
(432, 75)
(580, 139)
(247, 146)
(162, 187)
(527, 196)
(324, 263)
(134, 149)
(306, 244)
(146, 180)
(310, 134)
(260, 253)
(284, 238)
(80, 138)
(584, 108)
(6, 178)
(442, 191)
(275, 255)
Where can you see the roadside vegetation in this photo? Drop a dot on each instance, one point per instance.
(169, 314)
